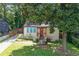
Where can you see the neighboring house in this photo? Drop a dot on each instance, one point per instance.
(35, 31)
(4, 27)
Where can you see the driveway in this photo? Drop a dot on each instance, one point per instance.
(5, 44)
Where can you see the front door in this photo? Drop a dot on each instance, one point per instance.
(42, 32)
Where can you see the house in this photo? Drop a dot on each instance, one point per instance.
(4, 27)
(35, 31)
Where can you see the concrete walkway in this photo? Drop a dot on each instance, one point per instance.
(5, 44)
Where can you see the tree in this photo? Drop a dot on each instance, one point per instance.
(37, 12)
(66, 19)
(19, 16)
(14, 15)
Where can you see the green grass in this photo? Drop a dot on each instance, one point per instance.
(31, 51)
(74, 50)
(25, 50)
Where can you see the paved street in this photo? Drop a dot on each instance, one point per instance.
(5, 44)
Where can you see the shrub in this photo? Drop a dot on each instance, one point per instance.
(12, 33)
(73, 38)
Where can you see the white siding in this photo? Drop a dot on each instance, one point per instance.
(55, 35)
(33, 34)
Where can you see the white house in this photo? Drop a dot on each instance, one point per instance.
(35, 31)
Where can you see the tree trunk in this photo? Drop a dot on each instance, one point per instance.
(64, 42)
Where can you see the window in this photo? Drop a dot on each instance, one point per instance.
(31, 30)
(27, 29)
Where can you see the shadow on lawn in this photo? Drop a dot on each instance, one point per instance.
(37, 51)
(32, 51)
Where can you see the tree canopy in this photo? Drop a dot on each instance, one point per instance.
(66, 17)
(63, 16)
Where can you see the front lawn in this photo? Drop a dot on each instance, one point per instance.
(9, 50)
(20, 49)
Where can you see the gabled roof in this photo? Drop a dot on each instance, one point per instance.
(43, 25)
(32, 23)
